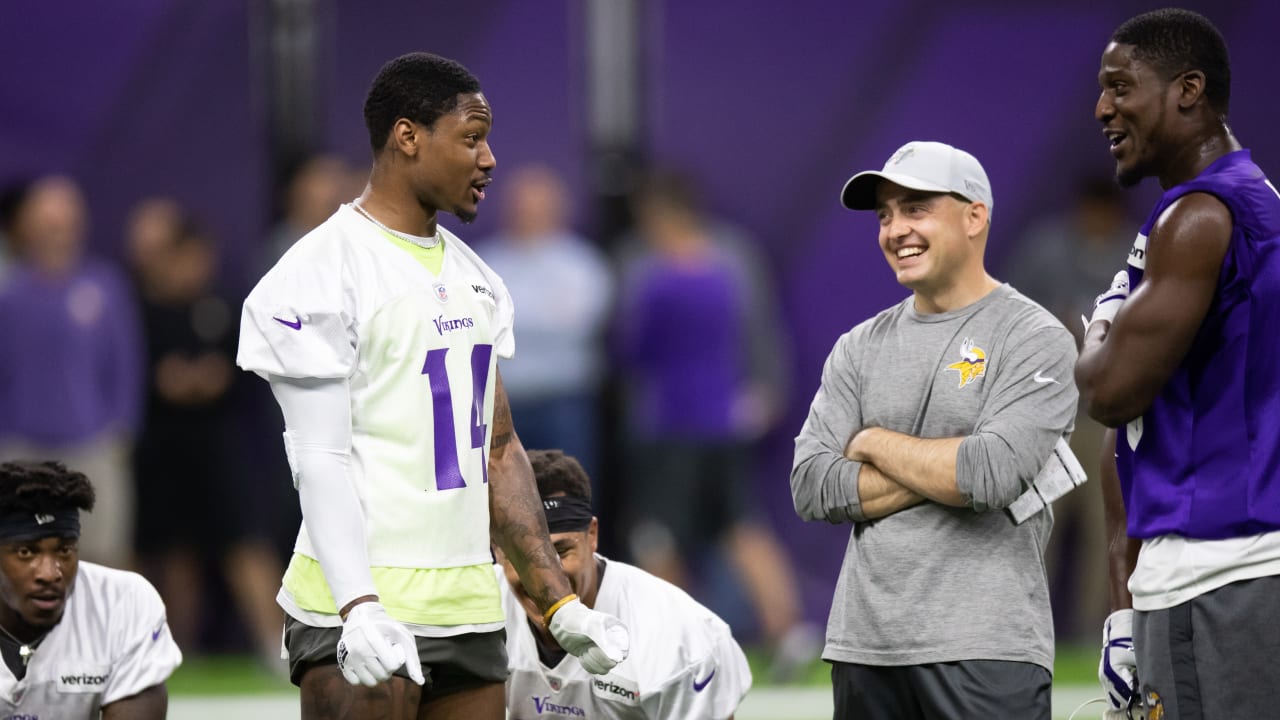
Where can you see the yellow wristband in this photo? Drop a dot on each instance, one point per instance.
(546, 616)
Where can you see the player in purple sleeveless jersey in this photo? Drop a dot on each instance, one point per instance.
(1180, 356)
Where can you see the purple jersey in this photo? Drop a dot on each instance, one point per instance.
(1204, 460)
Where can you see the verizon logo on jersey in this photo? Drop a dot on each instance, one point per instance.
(617, 689)
(89, 681)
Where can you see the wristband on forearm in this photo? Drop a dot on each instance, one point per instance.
(546, 616)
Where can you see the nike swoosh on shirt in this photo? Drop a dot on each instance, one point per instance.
(1042, 379)
(698, 686)
(296, 323)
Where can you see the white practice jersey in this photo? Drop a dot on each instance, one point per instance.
(420, 353)
(112, 643)
(684, 662)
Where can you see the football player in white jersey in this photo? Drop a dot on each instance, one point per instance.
(79, 640)
(685, 663)
(379, 332)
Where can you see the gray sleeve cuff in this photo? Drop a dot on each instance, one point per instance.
(842, 501)
(971, 465)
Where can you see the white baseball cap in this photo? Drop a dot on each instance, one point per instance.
(922, 165)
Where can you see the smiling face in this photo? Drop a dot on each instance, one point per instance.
(36, 576)
(1134, 109)
(927, 238)
(454, 163)
(577, 557)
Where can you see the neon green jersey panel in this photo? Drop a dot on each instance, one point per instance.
(432, 258)
(427, 596)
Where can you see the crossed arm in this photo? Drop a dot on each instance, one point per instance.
(842, 478)
(516, 519)
(876, 472)
(899, 471)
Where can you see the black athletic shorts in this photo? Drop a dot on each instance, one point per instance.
(449, 664)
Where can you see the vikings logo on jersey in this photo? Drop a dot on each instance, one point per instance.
(972, 364)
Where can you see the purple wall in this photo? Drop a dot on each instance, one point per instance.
(771, 105)
(133, 99)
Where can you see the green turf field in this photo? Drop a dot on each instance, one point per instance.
(236, 675)
(211, 687)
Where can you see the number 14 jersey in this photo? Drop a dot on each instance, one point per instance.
(418, 340)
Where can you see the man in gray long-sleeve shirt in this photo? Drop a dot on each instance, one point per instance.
(931, 418)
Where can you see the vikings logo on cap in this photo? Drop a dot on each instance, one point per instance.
(902, 154)
(972, 364)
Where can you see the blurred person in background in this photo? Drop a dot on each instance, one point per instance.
(1060, 263)
(313, 192)
(697, 346)
(150, 229)
(685, 664)
(188, 451)
(1063, 259)
(80, 641)
(70, 365)
(563, 286)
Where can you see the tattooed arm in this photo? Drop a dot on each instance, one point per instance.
(517, 523)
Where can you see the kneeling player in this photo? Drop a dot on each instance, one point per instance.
(79, 640)
(687, 664)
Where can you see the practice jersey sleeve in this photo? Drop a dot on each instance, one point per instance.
(709, 689)
(1032, 405)
(504, 314)
(505, 341)
(824, 483)
(146, 654)
(299, 321)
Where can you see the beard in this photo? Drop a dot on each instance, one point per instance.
(1129, 177)
(466, 216)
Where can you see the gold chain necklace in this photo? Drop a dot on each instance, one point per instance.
(26, 650)
(411, 239)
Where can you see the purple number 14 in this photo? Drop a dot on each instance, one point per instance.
(448, 472)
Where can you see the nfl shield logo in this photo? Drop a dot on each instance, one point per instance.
(441, 293)
(554, 683)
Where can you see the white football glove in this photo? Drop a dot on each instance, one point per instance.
(374, 645)
(1106, 305)
(1118, 666)
(599, 640)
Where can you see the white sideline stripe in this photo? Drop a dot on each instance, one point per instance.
(774, 703)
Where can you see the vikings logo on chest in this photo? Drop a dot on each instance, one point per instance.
(972, 364)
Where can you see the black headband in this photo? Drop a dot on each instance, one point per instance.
(567, 514)
(23, 526)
